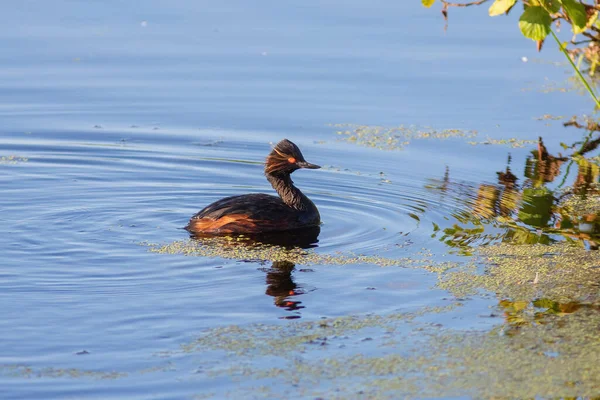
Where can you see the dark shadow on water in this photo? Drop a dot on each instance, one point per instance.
(299, 238)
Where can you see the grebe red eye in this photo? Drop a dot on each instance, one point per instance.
(291, 160)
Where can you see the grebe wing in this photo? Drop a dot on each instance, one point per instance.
(250, 213)
(255, 206)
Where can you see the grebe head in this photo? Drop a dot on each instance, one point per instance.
(285, 158)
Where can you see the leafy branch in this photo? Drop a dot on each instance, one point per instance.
(536, 23)
(538, 15)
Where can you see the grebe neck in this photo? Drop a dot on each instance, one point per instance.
(290, 194)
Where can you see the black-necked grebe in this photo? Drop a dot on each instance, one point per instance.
(258, 213)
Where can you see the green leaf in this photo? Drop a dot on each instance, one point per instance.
(535, 23)
(427, 3)
(552, 6)
(576, 13)
(591, 20)
(501, 7)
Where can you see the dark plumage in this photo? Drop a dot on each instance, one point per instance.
(259, 213)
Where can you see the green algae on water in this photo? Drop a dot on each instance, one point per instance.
(333, 358)
(580, 206)
(538, 348)
(238, 248)
(512, 142)
(266, 339)
(394, 138)
(51, 372)
(12, 159)
(544, 345)
(561, 272)
(551, 359)
(550, 117)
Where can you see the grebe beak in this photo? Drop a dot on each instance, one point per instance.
(304, 164)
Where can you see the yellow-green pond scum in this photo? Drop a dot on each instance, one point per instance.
(545, 343)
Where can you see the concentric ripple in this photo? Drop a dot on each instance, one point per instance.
(94, 200)
(81, 216)
(146, 191)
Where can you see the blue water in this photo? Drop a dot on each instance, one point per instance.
(132, 117)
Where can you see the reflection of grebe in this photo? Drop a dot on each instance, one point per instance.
(258, 213)
(281, 286)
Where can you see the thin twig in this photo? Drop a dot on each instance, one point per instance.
(473, 3)
(581, 42)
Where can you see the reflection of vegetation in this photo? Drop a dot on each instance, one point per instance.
(542, 167)
(519, 314)
(531, 211)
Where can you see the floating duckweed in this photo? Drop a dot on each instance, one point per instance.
(552, 87)
(561, 273)
(546, 345)
(580, 206)
(512, 142)
(394, 138)
(12, 159)
(280, 340)
(50, 372)
(586, 205)
(237, 249)
(550, 117)
(555, 358)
